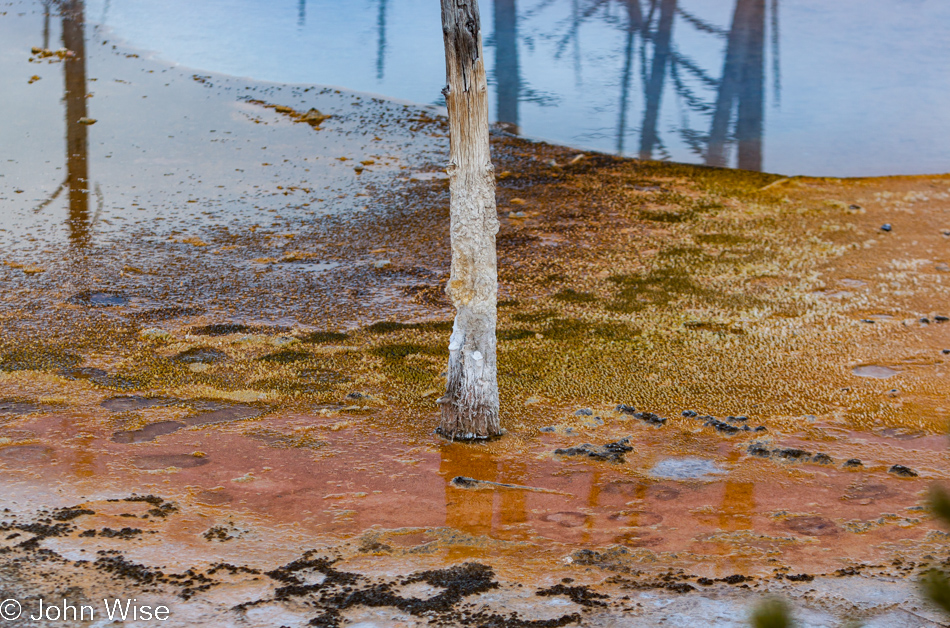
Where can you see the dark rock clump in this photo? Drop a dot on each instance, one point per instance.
(580, 595)
(735, 579)
(902, 471)
(68, 514)
(791, 454)
(124, 533)
(722, 427)
(648, 417)
(611, 452)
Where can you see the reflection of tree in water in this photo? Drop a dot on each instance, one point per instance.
(511, 87)
(507, 72)
(730, 107)
(381, 41)
(77, 136)
(72, 13)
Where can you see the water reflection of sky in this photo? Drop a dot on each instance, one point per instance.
(851, 87)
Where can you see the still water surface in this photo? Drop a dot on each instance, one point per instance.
(844, 88)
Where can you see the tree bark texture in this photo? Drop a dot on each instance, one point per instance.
(470, 404)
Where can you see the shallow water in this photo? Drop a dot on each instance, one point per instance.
(153, 344)
(843, 88)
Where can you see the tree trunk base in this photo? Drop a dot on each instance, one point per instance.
(468, 438)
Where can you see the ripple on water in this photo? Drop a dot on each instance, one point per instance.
(875, 371)
(89, 298)
(148, 433)
(686, 468)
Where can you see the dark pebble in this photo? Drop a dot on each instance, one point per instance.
(584, 412)
(886, 227)
(761, 428)
(853, 463)
(946, 351)
(548, 430)
(625, 409)
(940, 318)
(689, 413)
(925, 321)
(759, 451)
(854, 207)
(867, 320)
(821, 458)
(902, 471)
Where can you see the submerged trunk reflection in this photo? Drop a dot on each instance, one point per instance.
(77, 141)
(507, 71)
(654, 87)
(743, 80)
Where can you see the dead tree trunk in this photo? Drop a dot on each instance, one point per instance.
(470, 404)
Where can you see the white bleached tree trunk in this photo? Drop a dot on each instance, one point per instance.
(470, 404)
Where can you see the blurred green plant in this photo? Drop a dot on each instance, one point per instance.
(934, 584)
(772, 613)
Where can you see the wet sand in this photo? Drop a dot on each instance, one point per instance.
(222, 398)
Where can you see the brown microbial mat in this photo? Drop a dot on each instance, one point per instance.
(221, 346)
